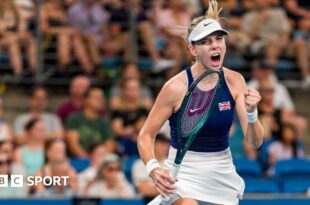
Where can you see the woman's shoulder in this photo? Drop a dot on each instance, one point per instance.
(234, 78)
(177, 82)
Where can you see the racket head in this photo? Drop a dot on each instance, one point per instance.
(199, 102)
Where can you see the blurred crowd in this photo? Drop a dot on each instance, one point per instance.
(104, 131)
(87, 30)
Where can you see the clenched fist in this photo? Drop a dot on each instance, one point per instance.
(252, 98)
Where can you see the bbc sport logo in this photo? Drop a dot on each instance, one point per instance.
(18, 180)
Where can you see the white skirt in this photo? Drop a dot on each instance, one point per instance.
(207, 177)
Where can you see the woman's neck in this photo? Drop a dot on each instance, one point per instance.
(34, 144)
(198, 69)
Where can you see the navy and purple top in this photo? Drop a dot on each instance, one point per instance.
(214, 135)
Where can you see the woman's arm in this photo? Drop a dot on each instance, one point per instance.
(162, 109)
(246, 102)
(160, 112)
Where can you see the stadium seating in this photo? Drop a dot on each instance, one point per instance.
(80, 164)
(247, 168)
(261, 186)
(127, 166)
(295, 186)
(293, 169)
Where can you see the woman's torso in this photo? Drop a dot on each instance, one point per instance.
(214, 134)
(33, 160)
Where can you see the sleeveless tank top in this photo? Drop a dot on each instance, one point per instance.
(214, 135)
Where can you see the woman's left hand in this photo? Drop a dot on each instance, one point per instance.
(252, 98)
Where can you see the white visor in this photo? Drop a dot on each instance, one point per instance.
(205, 28)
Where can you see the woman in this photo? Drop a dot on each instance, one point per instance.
(15, 36)
(130, 71)
(176, 13)
(31, 155)
(215, 181)
(287, 147)
(271, 118)
(55, 22)
(129, 118)
(110, 182)
(55, 152)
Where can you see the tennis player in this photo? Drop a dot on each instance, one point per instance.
(207, 174)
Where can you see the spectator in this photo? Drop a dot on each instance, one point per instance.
(110, 182)
(90, 18)
(61, 189)
(78, 87)
(6, 132)
(271, 118)
(97, 155)
(130, 71)
(261, 71)
(54, 21)
(119, 26)
(268, 29)
(9, 191)
(168, 21)
(7, 147)
(143, 182)
(55, 152)
(31, 154)
(37, 107)
(298, 11)
(88, 127)
(281, 98)
(128, 120)
(14, 34)
(287, 147)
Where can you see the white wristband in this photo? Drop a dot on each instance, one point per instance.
(252, 116)
(151, 165)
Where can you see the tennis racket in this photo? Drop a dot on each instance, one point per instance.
(198, 104)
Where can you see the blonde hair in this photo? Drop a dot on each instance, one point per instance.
(212, 13)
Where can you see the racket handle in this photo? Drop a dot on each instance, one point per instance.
(173, 173)
(174, 170)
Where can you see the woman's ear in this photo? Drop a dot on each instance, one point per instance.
(192, 50)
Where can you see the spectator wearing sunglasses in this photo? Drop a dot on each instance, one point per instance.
(110, 182)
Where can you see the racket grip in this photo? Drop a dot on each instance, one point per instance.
(174, 170)
(173, 173)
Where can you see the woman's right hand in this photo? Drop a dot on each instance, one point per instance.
(164, 183)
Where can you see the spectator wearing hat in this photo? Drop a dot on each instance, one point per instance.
(110, 182)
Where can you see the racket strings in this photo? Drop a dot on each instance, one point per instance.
(208, 83)
(197, 107)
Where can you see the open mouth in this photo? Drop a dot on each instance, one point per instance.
(215, 58)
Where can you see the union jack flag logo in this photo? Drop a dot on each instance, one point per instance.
(224, 106)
